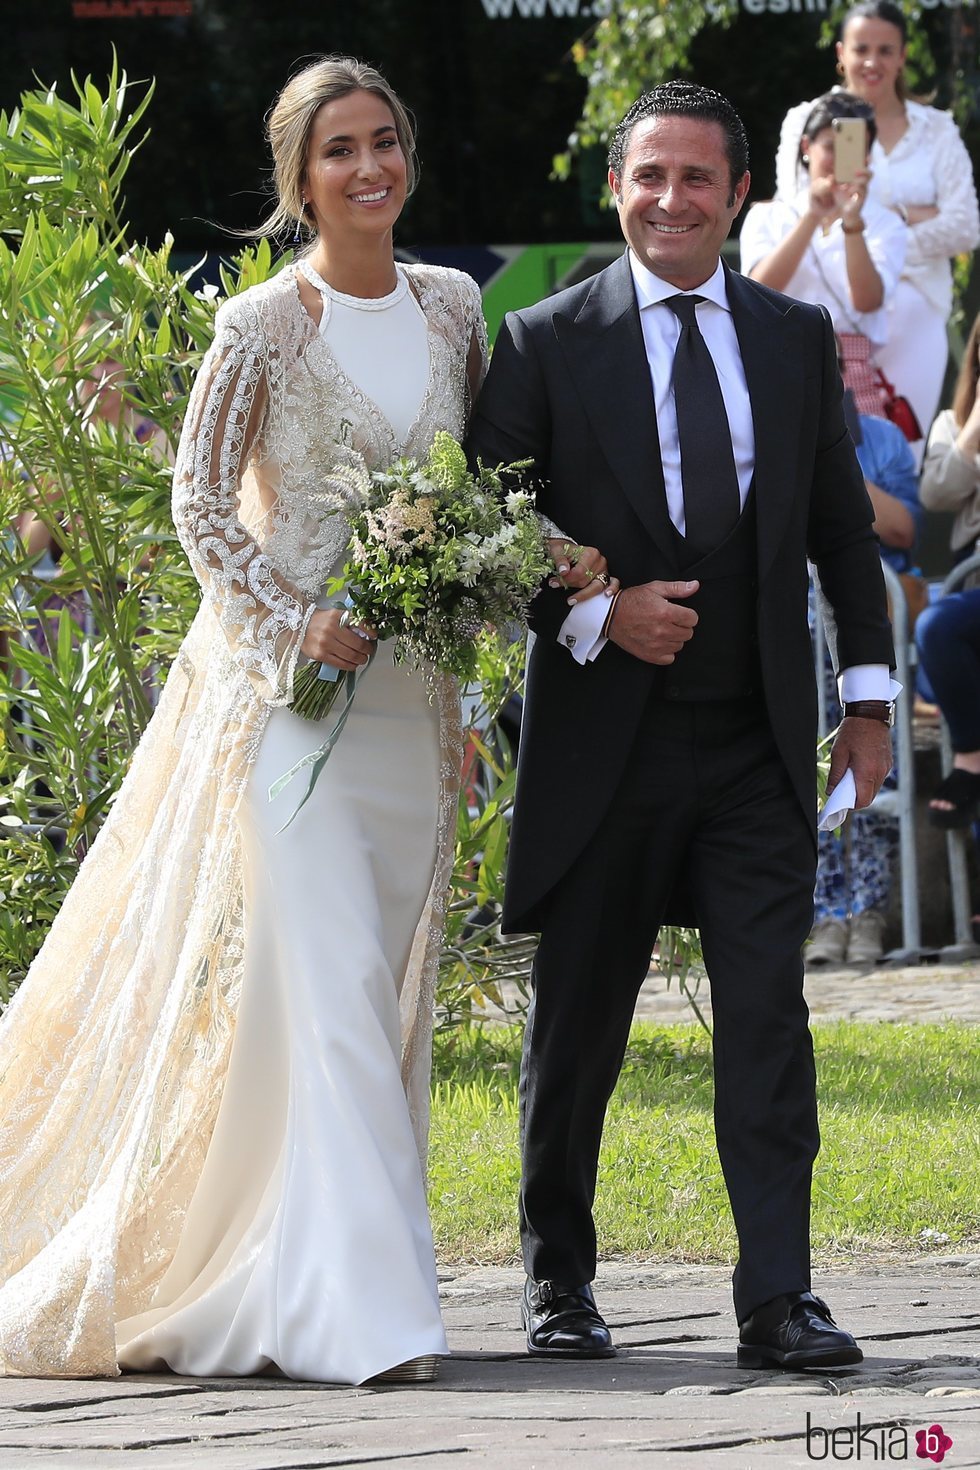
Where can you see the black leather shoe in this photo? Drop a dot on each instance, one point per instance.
(564, 1322)
(795, 1331)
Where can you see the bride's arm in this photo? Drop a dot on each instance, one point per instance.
(262, 616)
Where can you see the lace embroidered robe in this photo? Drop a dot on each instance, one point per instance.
(114, 1051)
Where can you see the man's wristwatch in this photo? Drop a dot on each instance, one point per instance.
(871, 709)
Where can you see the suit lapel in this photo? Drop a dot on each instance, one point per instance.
(603, 347)
(771, 348)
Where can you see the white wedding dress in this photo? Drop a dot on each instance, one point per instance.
(216, 1167)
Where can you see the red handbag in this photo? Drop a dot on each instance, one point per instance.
(873, 393)
(899, 410)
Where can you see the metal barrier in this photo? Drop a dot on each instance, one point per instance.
(963, 946)
(901, 801)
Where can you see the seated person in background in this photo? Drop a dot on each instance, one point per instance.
(948, 634)
(951, 471)
(833, 246)
(855, 865)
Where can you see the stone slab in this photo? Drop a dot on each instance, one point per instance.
(910, 993)
(672, 1397)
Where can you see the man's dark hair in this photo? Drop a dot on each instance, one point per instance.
(684, 99)
(838, 104)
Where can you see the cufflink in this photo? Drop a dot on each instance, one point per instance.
(570, 640)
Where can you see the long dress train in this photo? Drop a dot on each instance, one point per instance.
(214, 1079)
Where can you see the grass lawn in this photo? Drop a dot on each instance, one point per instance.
(899, 1167)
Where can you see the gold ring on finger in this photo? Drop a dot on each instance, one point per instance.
(602, 577)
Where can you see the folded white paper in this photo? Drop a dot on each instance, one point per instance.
(840, 801)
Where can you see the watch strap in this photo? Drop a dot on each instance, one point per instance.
(871, 709)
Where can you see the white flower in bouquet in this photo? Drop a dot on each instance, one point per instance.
(437, 553)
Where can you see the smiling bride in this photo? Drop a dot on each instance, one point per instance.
(214, 1081)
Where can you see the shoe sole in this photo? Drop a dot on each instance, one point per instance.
(416, 1370)
(537, 1352)
(758, 1357)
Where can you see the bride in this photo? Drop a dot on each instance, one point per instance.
(214, 1080)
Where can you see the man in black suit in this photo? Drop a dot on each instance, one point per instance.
(667, 762)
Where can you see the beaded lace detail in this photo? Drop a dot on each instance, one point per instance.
(114, 1050)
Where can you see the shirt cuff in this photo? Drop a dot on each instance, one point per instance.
(581, 632)
(867, 681)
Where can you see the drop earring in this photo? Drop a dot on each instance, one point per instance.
(297, 238)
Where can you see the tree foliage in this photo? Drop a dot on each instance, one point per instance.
(641, 43)
(635, 47)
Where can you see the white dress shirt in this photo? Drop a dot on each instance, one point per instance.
(580, 633)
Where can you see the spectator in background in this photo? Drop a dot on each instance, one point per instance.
(856, 865)
(951, 472)
(922, 172)
(948, 634)
(834, 246)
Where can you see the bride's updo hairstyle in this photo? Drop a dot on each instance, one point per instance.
(290, 124)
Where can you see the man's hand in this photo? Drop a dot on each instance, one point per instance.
(865, 746)
(649, 625)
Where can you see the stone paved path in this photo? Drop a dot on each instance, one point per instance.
(672, 1397)
(914, 993)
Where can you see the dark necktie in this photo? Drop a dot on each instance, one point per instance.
(711, 497)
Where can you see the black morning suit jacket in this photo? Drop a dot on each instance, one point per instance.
(569, 387)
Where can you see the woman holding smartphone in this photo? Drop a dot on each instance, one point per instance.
(831, 244)
(922, 173)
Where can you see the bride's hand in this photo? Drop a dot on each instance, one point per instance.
(330, 640)
(582, 569)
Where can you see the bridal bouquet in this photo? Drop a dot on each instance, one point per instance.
(437, 553)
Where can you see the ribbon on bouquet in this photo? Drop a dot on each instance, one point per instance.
(315, 760)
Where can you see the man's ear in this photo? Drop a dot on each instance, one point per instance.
(615, 187)
(741, 191)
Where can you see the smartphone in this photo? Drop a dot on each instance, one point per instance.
(850, 147)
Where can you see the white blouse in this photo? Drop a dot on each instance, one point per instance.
(821, 276)
(928, 165)
(381, 345)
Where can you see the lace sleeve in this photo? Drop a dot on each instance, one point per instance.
(478, 350)
(551, 531)
(262, 616)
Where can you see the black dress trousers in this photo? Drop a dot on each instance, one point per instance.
(704, 793)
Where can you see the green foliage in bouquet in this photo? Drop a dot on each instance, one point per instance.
(438, 553)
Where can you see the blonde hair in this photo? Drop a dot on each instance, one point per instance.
(291, 123)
